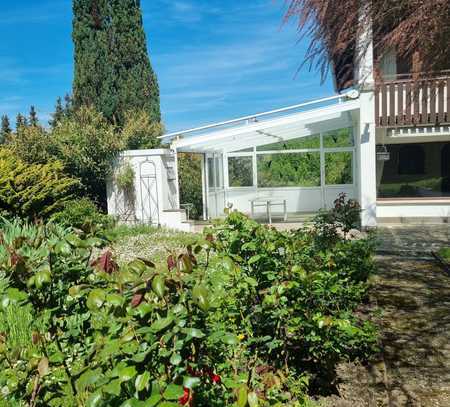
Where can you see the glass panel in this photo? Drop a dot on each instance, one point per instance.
(289, 170)
(218, 171)
(240, 171)
(415, 170)
(339, 168)
(338, 138)
(302, 143)
(210, 162)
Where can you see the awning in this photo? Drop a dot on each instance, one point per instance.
(269, 127)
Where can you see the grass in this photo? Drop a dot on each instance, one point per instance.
(148, 242)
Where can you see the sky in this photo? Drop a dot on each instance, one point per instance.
(215, 60)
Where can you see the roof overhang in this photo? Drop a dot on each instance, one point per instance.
(270, 131)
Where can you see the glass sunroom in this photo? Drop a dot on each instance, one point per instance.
(303, 159)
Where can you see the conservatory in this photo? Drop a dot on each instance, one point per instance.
(278, 164)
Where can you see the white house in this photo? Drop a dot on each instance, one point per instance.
(385, 142)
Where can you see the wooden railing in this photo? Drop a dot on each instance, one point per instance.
(407, 102)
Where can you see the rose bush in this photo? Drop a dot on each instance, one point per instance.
(246, 316)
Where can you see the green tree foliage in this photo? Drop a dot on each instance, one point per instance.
(5, 130)
(33, 191)
(190, 178)
(139, 131)
(33, 118)
(21, 121)
(87, 145)
(58, 114)
(112, 66)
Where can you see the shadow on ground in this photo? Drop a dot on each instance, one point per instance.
(412, 295)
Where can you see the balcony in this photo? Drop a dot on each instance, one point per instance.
(404, 102)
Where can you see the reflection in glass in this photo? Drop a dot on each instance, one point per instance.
(302, 143)
(339, 168)
(289, 170)
(240, 171)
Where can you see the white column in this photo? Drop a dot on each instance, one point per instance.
(204, 188)
(177, 179)
(364, 73)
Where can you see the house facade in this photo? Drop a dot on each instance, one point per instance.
(384, 140)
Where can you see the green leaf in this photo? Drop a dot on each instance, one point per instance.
(94, 400)
(159, 286)
(253, 400)
(116, 300)
(173, 392)
(242, 396)
(175, 359)
(88, 378)
(200, 296)
(126, 373)
(142, 381)
(113, 387)
(161, 324)
(194, 332)
(230, 339)
(254, 259)
(42, 278)
(153, 400)
(96, 299)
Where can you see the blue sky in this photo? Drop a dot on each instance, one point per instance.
(215, 60)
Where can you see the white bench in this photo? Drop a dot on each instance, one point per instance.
(269, 203)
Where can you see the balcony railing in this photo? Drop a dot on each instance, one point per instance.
(408, 102)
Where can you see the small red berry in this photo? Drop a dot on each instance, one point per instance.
(216, 379)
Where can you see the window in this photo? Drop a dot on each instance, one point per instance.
(211, 176)
(339, 168)
(240, 171)
(411, 160)
(289, 170)
(419, 170)
(302, 143)
(338, 138)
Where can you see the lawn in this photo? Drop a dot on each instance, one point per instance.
(149, 243)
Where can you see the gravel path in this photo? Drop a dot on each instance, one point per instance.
(412, 295)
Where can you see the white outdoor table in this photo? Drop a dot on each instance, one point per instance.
(268, 203)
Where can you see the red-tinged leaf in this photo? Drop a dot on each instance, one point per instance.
(137, 300)
(171, 263)
(210, 238)
(106, 263)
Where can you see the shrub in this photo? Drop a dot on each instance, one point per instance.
(125, 177)
(245, 317)
(83, 214)
(33, 191)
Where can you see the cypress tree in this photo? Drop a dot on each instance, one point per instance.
(112, 67)
(94, 74)
(5, 129)
(33, 118)
(136, 83)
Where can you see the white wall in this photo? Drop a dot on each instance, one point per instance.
(166, 188)
(414, 210)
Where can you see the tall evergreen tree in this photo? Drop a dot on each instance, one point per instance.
(58, 114)
(5, 130)
(136, 83)
(33, 118)
(21, 121)
(112, 67)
